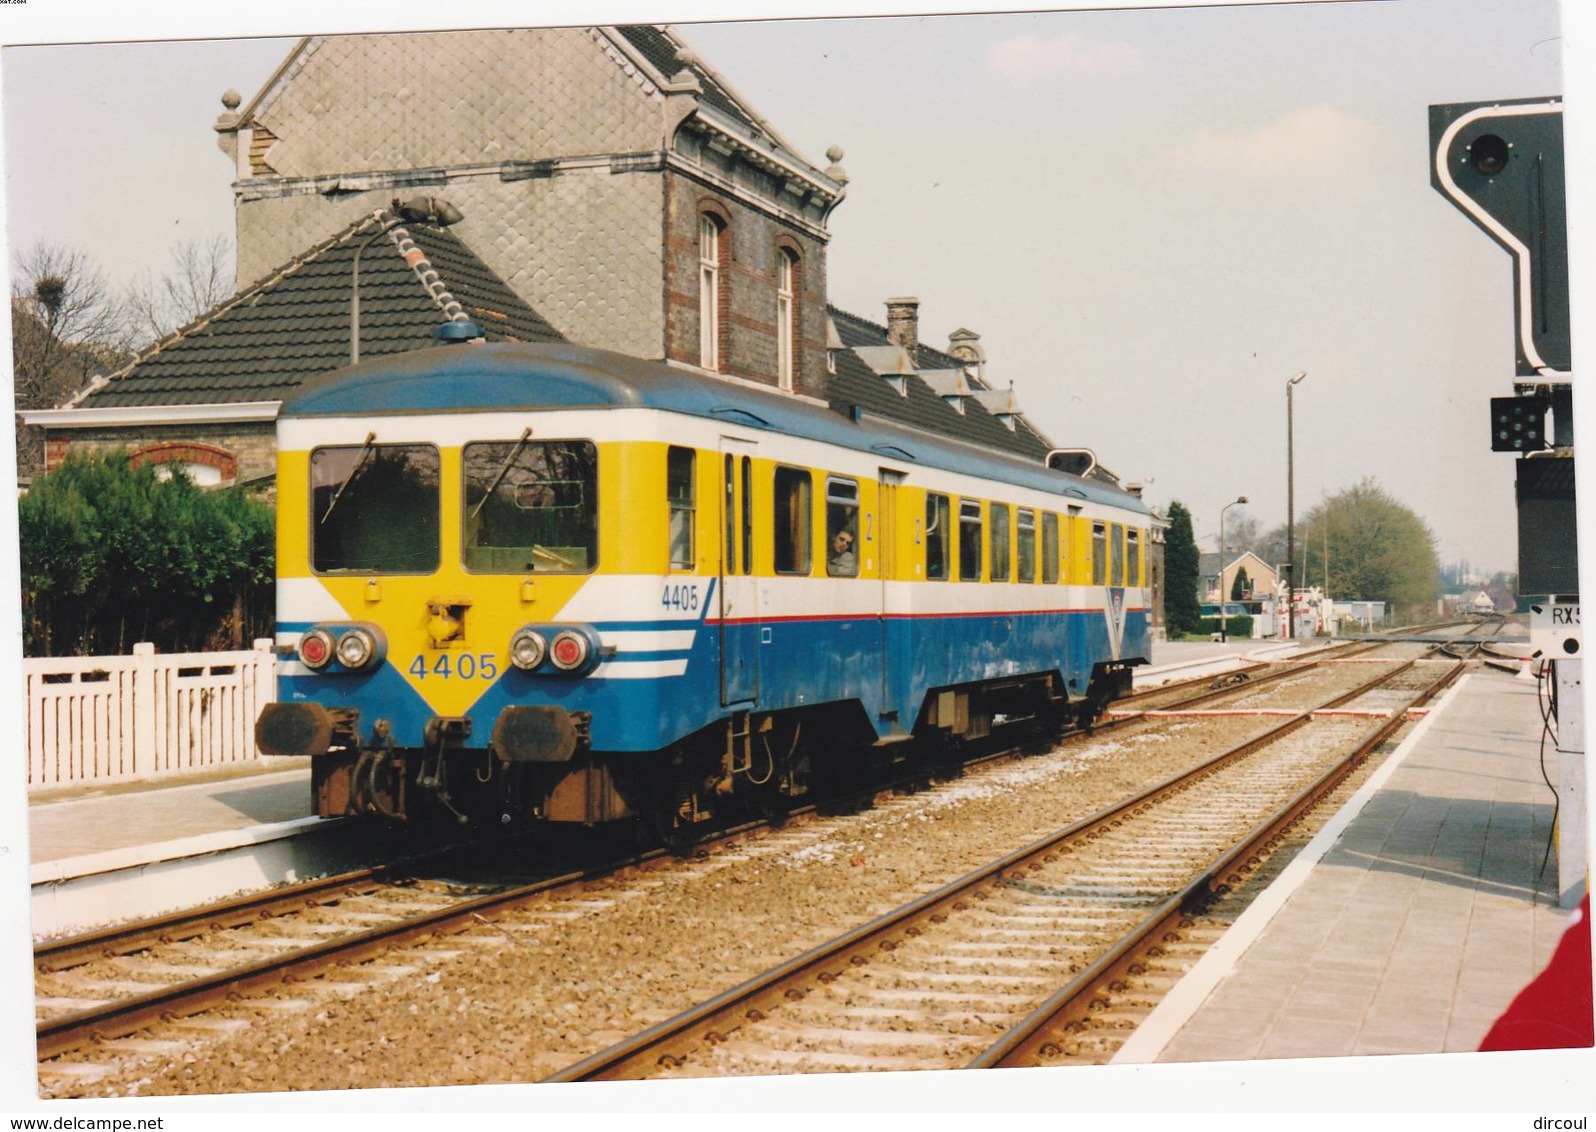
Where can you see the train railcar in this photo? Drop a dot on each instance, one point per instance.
(521, 583)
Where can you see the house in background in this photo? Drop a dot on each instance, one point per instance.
(608, 175)
(206, 397)
(602, 185)
(1214, 585)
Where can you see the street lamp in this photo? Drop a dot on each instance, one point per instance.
(1291, 516)
(1223, 635)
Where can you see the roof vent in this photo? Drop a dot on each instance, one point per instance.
(453, 333)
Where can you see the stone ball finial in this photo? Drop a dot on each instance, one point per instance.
(231, 99)
(834, 154)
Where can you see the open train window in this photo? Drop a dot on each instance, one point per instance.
(681, 499)
(938, 539)
(969, 540)
(790, 530)
(1116, 552)
(842, 528)
(1025, 546)
(374, 509)
(1049, 547)
(1000, 542)
(1133, 557)
(530, 506)
(1099, 554)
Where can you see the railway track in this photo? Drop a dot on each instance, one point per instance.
(117, 983)
(997, 967)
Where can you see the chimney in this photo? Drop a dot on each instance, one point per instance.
(903, 325)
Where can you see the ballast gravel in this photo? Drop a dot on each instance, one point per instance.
(532, 991)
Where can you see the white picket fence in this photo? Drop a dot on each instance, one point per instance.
(109, 718)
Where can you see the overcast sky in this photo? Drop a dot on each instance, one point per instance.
(1152, 218)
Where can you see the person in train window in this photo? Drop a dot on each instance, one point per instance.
(843, 562)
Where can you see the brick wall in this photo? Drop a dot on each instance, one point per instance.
(252, 446)
(749, 280)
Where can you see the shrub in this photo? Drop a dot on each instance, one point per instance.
(112, 554)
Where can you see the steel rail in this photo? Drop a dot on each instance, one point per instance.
(128, 1015)
(1070, 1008)
(58, 955)
(663, 1044)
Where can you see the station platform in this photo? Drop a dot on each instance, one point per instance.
(73, 830)
(1409, 923)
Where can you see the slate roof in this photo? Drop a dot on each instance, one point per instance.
(294, 324)
(855, 383)
(660, 48)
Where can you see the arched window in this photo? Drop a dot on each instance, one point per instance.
(787, 283)
(711, 237)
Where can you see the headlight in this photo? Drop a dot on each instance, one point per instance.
(316, 648)
(356, 648)
(569, 650)
(527, 649)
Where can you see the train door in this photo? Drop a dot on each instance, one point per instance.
(893, 596)
(739, 587)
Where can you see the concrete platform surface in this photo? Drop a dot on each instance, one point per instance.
(1409, 923)
(73, 823)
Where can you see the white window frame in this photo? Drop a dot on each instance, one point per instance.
(786, 356)
(709, 237)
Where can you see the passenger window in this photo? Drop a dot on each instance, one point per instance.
(969, 540)
(1116, 550)
(679, 495)
(1049, 547)
(1099, 554)
(1025, 552)
(791, 537)
(842, 528)
(937, 521)
(1133, 557)
(1000, 542)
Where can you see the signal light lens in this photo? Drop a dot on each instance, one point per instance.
(356, 648)
(527, 649)
(316, 648)
(569, 650)
(1488, 154)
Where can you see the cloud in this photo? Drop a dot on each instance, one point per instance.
(1316, 140)
(1025, 56)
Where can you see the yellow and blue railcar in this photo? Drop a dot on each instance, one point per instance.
(547, 582)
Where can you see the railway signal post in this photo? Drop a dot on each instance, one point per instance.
(1501, 165)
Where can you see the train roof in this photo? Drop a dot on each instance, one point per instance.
(490, 377)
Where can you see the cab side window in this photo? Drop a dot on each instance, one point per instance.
(680, 498)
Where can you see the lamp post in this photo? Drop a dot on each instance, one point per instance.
(1291, 516)
(1223, 635)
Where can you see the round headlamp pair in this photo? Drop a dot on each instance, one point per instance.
(355, 647)
(569, 650)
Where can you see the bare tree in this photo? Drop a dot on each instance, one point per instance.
(201, 276)
(67, 324)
